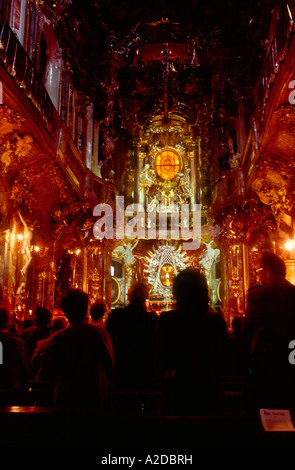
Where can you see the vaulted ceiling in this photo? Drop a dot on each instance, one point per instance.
(199, 32)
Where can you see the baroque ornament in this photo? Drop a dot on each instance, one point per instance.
(163, 265)
(274, 186)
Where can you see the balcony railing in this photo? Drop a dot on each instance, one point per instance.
(19, 66)
(277, 52)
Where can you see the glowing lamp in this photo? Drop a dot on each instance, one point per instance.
(20, 236)
(290, 244)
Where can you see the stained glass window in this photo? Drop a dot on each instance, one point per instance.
(167, 164)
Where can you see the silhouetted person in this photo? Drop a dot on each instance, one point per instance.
(39, 330)
(97, 313)
(133, 333)
(27, 324)
(238, 352)
(42, 368)
(269, 327)
(80, 358)
(13, 329)
(192, 341)
(15, 371)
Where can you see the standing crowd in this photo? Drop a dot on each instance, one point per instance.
(187, 350)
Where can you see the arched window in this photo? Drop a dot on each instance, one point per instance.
(167, 164)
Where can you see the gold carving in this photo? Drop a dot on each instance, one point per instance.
(10, 121)
(274, 187)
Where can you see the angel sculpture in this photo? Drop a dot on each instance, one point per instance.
(26, 250)
(147, 176)
(209, 258)
(128, 256)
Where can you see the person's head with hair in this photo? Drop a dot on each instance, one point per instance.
(74, 304)
(237, 325)
(138, 293)
(4, 317)
(190, 289)
(97, 310)
(274, 267)
(58, 323)
(27, 323)
(42, 316)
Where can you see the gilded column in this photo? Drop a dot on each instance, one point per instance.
(196, 171)
(137, 172)
(232, 267)
(107, 259)
(85, 271)
(95, 270)
(141, 187)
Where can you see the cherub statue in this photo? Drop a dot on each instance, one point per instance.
(147, 176)
(186, 180)
(153, 204)
(128, 255)
(209, 258)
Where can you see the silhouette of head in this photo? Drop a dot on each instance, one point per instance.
(42, 316)
(236, 325)
(27, 323)
(74, 304)
(190, 289)
(58, 323)
(273, 267)
(4, 317)
(97, 310)
(138, 293)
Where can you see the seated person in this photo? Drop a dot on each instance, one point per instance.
(82, 364)
(39, 330)
(15, 369)
(97, 312)
(133, 333)
(41, 367)
(192, 345)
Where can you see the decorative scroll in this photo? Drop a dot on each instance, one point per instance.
(275, 189)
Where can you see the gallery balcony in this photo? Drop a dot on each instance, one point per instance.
(19, 75)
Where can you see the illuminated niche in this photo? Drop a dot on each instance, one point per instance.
(165, 263)
(167, 164)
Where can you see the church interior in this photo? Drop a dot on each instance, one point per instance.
(153, 108)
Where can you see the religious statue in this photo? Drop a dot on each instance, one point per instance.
(23, 144)
(147, 176)
(273, 191)
(26, 245)
(128, 255)
(6, 156)
(64, 276)
(106, 170)
(185, 182)
(125, 252)
(153, 204)
(209, 258)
